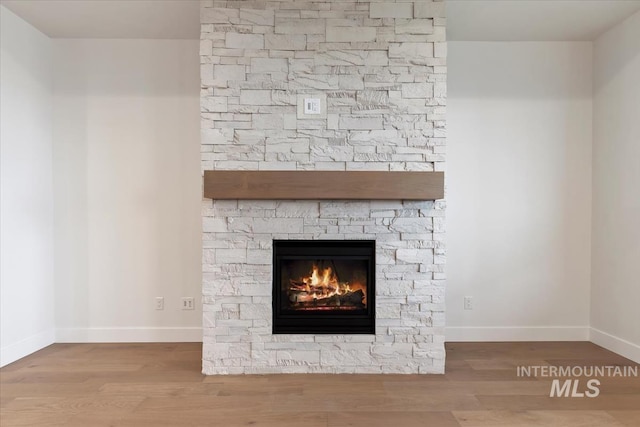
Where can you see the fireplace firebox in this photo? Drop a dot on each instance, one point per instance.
(323, 287)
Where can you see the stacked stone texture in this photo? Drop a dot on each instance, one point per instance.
(381, 67)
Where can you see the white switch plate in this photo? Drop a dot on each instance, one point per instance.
(312, 106)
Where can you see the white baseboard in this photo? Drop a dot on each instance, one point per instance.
(94, 335)
(516, 333)
(12, 352)
(617, 345)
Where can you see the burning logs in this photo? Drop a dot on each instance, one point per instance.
(322, 289)
(353, 299)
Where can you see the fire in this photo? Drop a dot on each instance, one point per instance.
(321, 284)
(325, 281)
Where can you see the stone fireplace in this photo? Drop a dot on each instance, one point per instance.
(379, 69)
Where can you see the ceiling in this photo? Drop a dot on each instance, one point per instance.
(120, 19)
(534, 20)
(468, 20)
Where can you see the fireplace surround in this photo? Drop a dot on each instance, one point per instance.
(381, 67)
(323, 287)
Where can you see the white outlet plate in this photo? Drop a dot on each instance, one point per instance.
(468, 303)
(159, 303)
(188, 303)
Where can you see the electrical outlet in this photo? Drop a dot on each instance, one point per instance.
(468, 303)
(159, 303)
(187, 303)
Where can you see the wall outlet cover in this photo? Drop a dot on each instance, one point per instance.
(188, 303)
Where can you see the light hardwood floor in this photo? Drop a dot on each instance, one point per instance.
(161, 385)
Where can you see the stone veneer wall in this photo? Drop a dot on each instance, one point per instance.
(381, 66)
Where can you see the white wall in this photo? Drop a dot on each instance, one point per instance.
(128, 189)
(26, 194)
(615, 296)
(519, 194)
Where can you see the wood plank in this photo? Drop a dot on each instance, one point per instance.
(627, 418)
(535, 418)
(415, 418)
(168, 390)
(323, 185)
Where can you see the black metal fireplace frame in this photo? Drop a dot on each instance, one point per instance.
(329, 321)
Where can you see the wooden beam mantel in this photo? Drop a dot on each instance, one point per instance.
(323, 185)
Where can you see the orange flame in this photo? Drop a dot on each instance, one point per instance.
(324, 284)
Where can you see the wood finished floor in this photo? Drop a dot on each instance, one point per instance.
(161, 385)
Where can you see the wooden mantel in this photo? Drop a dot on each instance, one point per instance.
(323, 185)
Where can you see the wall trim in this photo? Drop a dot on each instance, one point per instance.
(29, 345)
(616, 344)
(142, 334)
(516, 333)
(12, 352)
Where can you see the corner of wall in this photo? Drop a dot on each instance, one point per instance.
(614, 317)
(26, 234)
(15, 351)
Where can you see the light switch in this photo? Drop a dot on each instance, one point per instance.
(312, 106)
